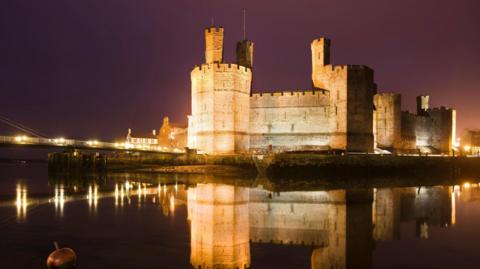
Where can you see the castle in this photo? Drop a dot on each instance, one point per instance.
(342, 112)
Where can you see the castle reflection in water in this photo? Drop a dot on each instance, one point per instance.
(342, 226)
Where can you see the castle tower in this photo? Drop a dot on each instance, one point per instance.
(422, 104)
(245, 53)
(213, 45)
(351, 89)
(219, 123)
(388, 121)
(320, 57)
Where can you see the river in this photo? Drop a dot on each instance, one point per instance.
(180, 221)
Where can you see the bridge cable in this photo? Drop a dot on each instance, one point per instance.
(22, 127)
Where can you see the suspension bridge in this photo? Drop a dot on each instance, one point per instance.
(34, 139)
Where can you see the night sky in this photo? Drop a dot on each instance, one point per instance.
(93, 68)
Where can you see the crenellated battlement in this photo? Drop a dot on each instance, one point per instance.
(289, 93)
(214, 29)
(348, 67)
(386, 93)
(223, 67)
(439, 109)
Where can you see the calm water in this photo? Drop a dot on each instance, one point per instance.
(128, 221)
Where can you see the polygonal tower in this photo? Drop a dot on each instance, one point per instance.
(219, 123)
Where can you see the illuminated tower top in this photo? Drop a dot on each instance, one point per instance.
(213, 45)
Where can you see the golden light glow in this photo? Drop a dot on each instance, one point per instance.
(59, 199)
(92, 196)
(466, 148)
(21, 202)
(92, 143)
(172, 204)
(21, 138)
(139, 193)
(116, 194)
(59, 141)
(454, 210)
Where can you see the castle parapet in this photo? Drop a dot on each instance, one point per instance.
(220, 67)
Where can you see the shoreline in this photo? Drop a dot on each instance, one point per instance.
(310, 166)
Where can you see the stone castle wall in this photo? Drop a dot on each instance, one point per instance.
(295, 120)
(388, 120)
(360, 93)
(443, 128)
(408, 136)
(431, 130)
(435, 128)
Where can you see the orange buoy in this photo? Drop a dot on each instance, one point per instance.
(62, 258)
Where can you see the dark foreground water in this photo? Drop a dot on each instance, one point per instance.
(129, 221)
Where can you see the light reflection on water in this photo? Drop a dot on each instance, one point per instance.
(21, 202)
(342, 226)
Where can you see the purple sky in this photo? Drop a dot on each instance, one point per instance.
(92, 69)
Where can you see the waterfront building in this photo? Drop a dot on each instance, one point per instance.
(146, 140)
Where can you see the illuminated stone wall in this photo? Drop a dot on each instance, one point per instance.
(295, 120)
(436, 128)
(388, 120)
(408, 136)
(431, 130)
(219, 219)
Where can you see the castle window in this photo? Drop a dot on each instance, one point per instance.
(292, 128)
(336, 110)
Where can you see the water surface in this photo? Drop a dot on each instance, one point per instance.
(178, 221)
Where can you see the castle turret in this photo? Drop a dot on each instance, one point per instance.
(422, 104)
(213, 45)
(245, 53)
(320, 53)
